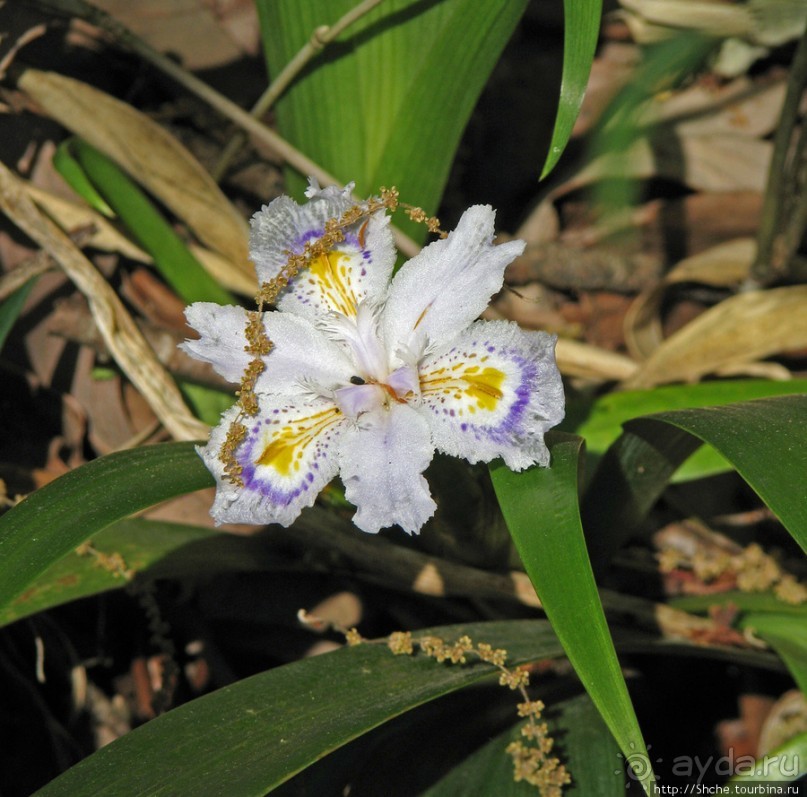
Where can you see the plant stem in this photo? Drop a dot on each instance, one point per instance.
(322, 36)
(783, 215)
(227, 108)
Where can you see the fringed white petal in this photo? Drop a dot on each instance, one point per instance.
(359, 268)
(381, 461)
(222, 339)
(301, 358)
(493, 392)
(288, 456)
(443, 289)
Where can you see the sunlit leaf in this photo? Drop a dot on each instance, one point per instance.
(171, 256)
(55, 519)
(600, 422)
(540, 506)
(75, 176)
(764, 440)
(387, 102)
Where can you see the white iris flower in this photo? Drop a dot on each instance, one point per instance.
(370, 373)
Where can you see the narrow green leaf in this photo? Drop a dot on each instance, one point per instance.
(787, 635)
(11, 308)
(387, 102)
(208, 404)
(540, 506)
(75, 176)
(600, 422)
(141, 544)
(765, 440)
(247, 738)
(581, 28)
(782, 765)
(582, 743)
(58, 517)
(743, 601)
(183, 272)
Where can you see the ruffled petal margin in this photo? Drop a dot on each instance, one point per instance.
(493, 392)
(302, 360)
(288, 456)
(381, 462)
(221, 338)
(443, 289)
(359, 268)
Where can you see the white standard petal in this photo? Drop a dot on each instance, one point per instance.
(445, 287)
(302, 359)
(222, 339)
(288, 456)
(493, 392)
(381, 460)
(359, 268)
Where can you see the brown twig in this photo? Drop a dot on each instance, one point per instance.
(320, 38)
(784, 211)
(73, 321)
(227, 108)
(121, 335)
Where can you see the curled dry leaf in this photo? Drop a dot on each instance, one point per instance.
(150, 155)
(590, 362)
(72, 215)
(121, 335)
(104, 236)
(708, 140)
(742, 329)
(720, 266)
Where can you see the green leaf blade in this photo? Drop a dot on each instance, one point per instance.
(600, 422)
(581, 30)
(58, 517)
(582, 743)
(386, 104)
(172, 258)
(247, 738)
(141, 544)
(540, 506)
(766, 442)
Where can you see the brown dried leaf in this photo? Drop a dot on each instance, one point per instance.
(121, 335)
(201, 33)
(149, 154)
(742, 329)
(722, 265)
(71, 215)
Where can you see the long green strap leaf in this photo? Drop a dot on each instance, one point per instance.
(764, 440)
(58, 517)
(784, 764)
(599, 422)
(140, 543)
(540, 506)
(387, 102)
(787, 635)
(247, 738)
(172, 258)
(582, 743)
(581, 29)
